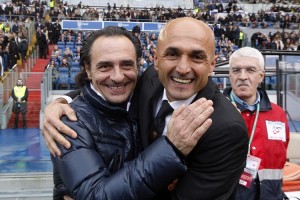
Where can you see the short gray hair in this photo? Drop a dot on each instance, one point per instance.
(248, 52)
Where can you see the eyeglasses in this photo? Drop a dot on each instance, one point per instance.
(249, 70)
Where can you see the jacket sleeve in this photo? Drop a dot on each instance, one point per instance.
(13, 95)
(85, 174)
(73, 94)
(59, 189)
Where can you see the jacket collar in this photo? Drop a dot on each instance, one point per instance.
(264, 103)
(110, 110)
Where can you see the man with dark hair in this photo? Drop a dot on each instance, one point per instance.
(14, 51)
(108, 140)
(136, 30)
(42, 42)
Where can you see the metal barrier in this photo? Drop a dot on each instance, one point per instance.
(7, 83)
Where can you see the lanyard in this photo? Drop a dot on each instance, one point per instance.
(254, 124)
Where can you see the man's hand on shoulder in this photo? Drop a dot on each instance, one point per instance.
(52, 125)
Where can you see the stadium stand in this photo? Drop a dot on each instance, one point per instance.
(265, 25)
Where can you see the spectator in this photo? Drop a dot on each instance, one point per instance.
(1, 63)
(13, 51)
(68, 54)
(54, 71)
(5, 57)
(254, 39)
(278, 42)
(56, 31)
(42, 42)
(136, 30)
(23, 47)
(268, 128)
(7, 28)
(64, 63)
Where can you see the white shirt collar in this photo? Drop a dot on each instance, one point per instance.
(98, 93)
(173, 104)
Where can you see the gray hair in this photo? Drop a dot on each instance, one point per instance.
(248, 52)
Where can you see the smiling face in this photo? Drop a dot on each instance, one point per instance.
(113, 69)
(185, 57)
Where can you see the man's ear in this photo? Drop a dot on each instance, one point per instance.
(86, 68)
(213, 64)
(262, 75)
(155, 59)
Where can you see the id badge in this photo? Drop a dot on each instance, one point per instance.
(250, 171)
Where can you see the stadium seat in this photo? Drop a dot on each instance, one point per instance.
(61, 43)
(63, 71)
(63, 82)
(70, 43)
(61, 46)
(70, 46)
(74, 69)
(73, 73)
(75, 64)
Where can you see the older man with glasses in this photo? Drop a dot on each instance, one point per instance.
(267, 126)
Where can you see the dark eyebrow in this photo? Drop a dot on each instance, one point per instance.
(171, 49)
(193, 52)
(103, 63)
(201, 52)
(127, 61)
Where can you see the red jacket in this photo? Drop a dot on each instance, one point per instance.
(270, 141)
(271, 151)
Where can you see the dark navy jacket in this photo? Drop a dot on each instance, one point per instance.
(103, 161)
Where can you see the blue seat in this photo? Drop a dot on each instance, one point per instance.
(61, 47)
(63, 70)
(73, 73)
(75, 70)
(76, 58)
(63, 81)
(61, 43)
(70, 46)
(70, 43)
(78, 45)
(75, 64)
(270, 24)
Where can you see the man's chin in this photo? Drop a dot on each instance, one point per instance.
(118, 99)
(242, 94)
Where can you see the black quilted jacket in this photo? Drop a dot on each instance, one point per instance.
(104, 161)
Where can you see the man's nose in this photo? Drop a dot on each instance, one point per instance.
(117, 74)
(243, 74)
(183, 65)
